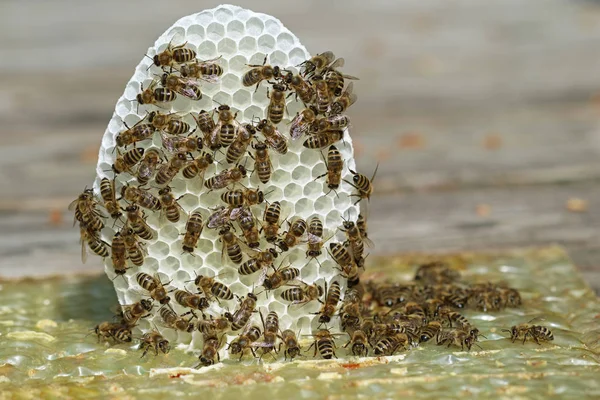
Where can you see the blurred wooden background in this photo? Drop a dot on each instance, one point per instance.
(485, 116)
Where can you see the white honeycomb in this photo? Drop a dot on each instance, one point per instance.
(240, 37)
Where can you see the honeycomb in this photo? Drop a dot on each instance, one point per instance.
(239, 37)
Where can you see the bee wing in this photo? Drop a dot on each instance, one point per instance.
(262, 344)
(335, 118)
(313, 239)
(339, 63)
(297, 128)
(73, 204)
(210, 78)
(354, 78)
(83, 251)
(169, 143)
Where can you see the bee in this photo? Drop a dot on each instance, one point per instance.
(334, 165)
(210, 350)
(536, 332)
(354, 240)
(249, 230)
(153, 95)
(302, 123)
(457, 337)
(148, 166)
(324, 344)
(359, 342)
(260, 260)
(343, 102)
(135, 251)
(207, 126)
(207, 70)
(302, 294)
(262, 163)
(244, 341)
(242, 315)
(124, 162)
(280, 277)
(271, 221)
(226, 178)
(98, 246)
(231, 246)
(119, 254)
(138, 133)
(433, 308)
(270, 329)
(341, 256)
(435, 273)
(455, 319)
(215, 325)
(332, 123)
(273, 138)
(290, 341)
(335, 79)
(170, 207)
(302, 88)
(191, 300)
(248, 197)
(238, 147)
(117, 332)
(292, 237)
(390, 344)
(429, 331)
(193, 229)
(332, 298)
(212, 287)
(222, 216)
(361, 224)
(137, 221)
(276, 105)
(174, 54)
(487, 300)
(363, 184)
(154, 340)
(141, 197)
(322, 96)
(323, 139)
(350, 314)
(316, 64)
(512, 297)
(167, 172)
(154, 286)
(168, 123)
(181, 144)
(183, 86)
(227, 126)
(259, 73)
(85, 211)
(176, 322)
(198, 166)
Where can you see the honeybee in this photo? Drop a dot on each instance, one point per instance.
(237, 198)
(323, 139)
(154, 340)
(207, 70)
(141, 197)
(183, 86)
(154, 286)
(231, 245)
(271, 221)
(316, 64)
(193, 229)
(273, 138)
(315, 237)
(536, 332)
(227, 126)
(153, 95)
(238, 148)
(270, 330)
(302, 123)
(124, 162)
(191, 300)
(350, 314)
(323, 98)
(198, 166)
(429, 331)
(290, 341)
(276, 105)
(172, 320)
(457, 337)
(174, 54)
(207, 125)
(332, 298)
(363, 184)
(436, 272)
(169, 123)
(390, 344)
(247, 223)
(334, 166)
(361, 224)
(98, 246)
(359, 342)
(137, 221)
(258, 73)
(117, 332)
(335, 79)
(250, 334)
(341, 256)
(487, 300)
(85, 211)
(292, 237)
(324, 344)
(181, 144)
(170, 207)
(260, 260)
(212, 287)
(138, 133)
(354, 240)
(210, 350)
(148, 166)
(280, 277)
(302, 294)
(119, 254)
(332, 123)
(455, 319)
(433, 308)
(222, 217)
(226, 178)
(167, 172)
(107, 190)
(302, 88)
(215, 325)
(135, 251)
(262, 162)
(242, 315)
(343, 102)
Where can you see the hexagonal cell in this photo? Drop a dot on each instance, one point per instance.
(196, 30)
(310, 157)
(169, 233)
(292, 191)
(177, 34)
(227, 46)
(296, 56)
(253, 112)
(259, 97)
(310, 271)
(304, 207)
(333, 217)
(247, 45)
(273, 27)
(215, 31)
(223, 15)
(159, 250)
(235, 29)
(230, 82)
(237, 64)
(276, 57)
(323, 204)
(266, 44)
(288, 161)
(169, 265)
(241, 99)
(254, 26)
(341, 202)
(313, 189)
(222, 98)
(285, 42)
(207, 50)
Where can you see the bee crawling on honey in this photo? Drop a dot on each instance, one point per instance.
(528, 330)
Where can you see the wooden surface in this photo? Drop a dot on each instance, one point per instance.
(485, 116)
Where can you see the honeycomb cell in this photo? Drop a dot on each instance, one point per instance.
(227, 46)
(223, 15)
(289, 161)
(285, 42)
(272, 27)
(237, 64)
(215, 31)
(276, 57)
(169, 233)
(296, 56)
(292, 191)
(323, 204)
(230, 82)
(177, 34)
(259, 97)
(254, 26)
(207, 50)
(241, 99)
(266, 43)
(159, 250)
(196, 31)
(311, 158)
(304, 207)
(169, 265)
(222, 98)
(313, 189)
(235, 29)
(247, 45)
(253, 112)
